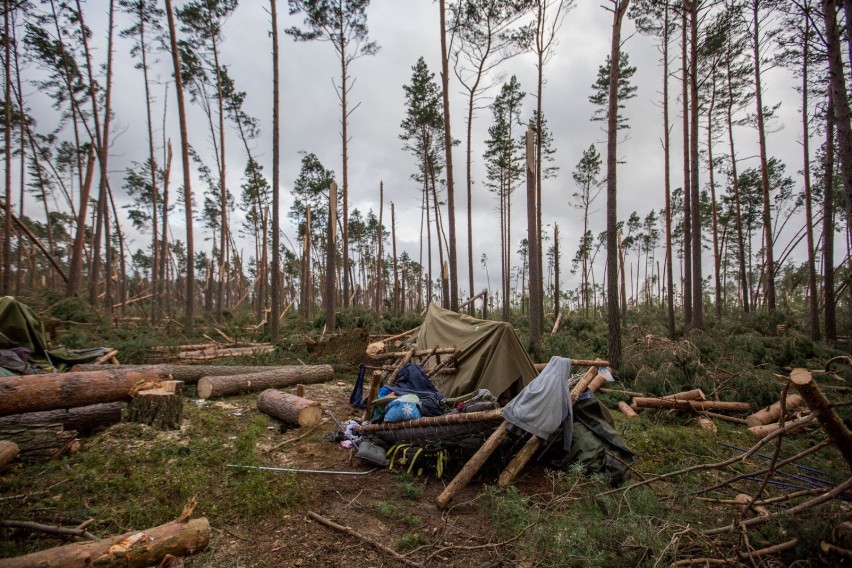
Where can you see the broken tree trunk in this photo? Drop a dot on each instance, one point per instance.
(224, 385)
(771, 413)
(160, 408)
(130, 550)
(289, 408)
(8, 452)
(639, 402)
(473, 465)
(189, 374)
(83, 419)
(828, 419)
(42, 443)
(30, 393)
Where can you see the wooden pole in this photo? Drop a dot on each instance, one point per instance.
(473, 465)
(691, 404)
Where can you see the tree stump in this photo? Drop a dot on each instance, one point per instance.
(289, 408)
(160, 408)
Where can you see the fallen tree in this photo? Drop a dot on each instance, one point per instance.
(30, 393)
(83, 419)
(279, 377)
(189, 374)
(42, 443)
(131, 550)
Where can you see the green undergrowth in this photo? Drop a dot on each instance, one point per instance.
(131, 477)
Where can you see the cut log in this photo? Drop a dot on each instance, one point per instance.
(289, 408)
(706, 424)
(691, 404)
(415, 353)
(224, 385)
(189, 374)
(131, 550)
(433, 421)
(773, 412)
(43, 443)
(828, 419)
(160, 408)
(694, 394)
(8, 452)
(83, 419)
(473, 465)
(626, 410)
(31, 393)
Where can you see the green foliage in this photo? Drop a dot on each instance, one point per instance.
(409, 541)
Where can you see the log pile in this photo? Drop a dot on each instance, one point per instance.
(208, 351)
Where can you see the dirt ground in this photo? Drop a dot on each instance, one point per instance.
(359, 502)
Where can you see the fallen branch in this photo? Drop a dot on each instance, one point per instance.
(346, 530)
(49, 529)
(774, 549)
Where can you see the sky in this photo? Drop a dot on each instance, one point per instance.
(406, 30)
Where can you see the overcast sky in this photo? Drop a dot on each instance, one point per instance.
(406, 30)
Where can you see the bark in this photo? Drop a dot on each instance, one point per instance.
(135, 549)
(828, 227)
(7, 154)
(613, 315)
(83, 419)
(840, 99)
(626, 410)
(44, 443)
(224, 385)
(667, 173)
(556, 290)
(448, 151)
(187, 178)
(687, 192)
(532, 241)
(769, 271)
(396, 298)
(160, 408)
(809, 216)
(8, 452)
(330, 295)
(380, 264)
(31, 393)
(289, 408)
(695, 212)
(275, 292)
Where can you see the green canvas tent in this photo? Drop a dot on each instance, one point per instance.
(492, 356)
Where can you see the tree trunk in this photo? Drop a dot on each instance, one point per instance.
(380, 261)
(840, 99)
(330, 299)
(83, 419)
(828, 418)
(275, 300)
(448, 151)
(613, 315)
(667, 173)
(687, 181)
(344, 124)
(532, 242)
(809, 216)
(773, 412)
(396, 299)
(289, 408)
(674, 404)
(135, 549)
(745, 288)
(30, 393)
(224, 385)
(556, 290)
(187, 177)
(828, 226)
(7, 123)
(697, 280)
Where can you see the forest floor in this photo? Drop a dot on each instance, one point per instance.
(132, 477)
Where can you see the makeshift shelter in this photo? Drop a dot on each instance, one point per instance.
(491, 357)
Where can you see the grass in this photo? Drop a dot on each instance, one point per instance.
(133, 477)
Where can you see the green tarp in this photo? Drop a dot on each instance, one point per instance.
(492, 356)
(20, 327)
